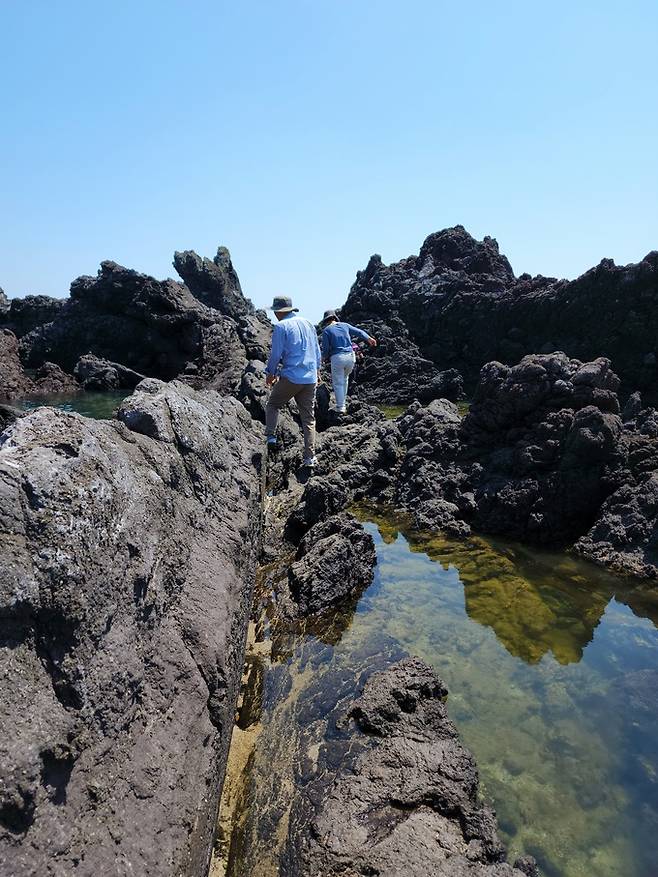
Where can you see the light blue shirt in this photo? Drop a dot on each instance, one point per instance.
(296, 350)
(337, 338)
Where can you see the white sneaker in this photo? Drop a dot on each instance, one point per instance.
(310, 462)
(341, 410)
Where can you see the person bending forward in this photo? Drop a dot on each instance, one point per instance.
(292, 372)
(337, 348)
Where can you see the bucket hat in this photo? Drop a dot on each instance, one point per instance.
(329, 315)
(282, 304)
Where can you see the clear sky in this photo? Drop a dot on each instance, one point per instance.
(306, 135)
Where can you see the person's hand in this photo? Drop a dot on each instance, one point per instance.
(372, 342)
(270, 380)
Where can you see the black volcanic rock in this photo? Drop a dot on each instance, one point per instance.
(101, 374)
(392, 790)
(624, 537)
(335, 559)
(50, 379)
(461, 304)
(216, 284)
(541, 448)
(157, 328)
(129, 551)
(25, 314)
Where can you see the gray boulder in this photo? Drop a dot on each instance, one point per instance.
(129, 555)
(102, 374)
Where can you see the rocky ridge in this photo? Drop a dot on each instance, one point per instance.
(202, 331)
(458, 305)
(130, 549)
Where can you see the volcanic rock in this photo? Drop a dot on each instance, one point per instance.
(392, 790)
(459, 302)
(540, 449)
(216, 284)
(50, 379)
(129, 556)
(624, 537)
(13, 380)
(335, 559)
(155, 328)
(101, 374)
(25, 314)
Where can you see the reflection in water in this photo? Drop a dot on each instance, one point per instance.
(535, 602)
(552, 667)
(100, 406)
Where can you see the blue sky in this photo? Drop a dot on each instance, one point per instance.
(306, 136)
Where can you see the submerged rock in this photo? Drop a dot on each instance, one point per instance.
(129, 556)
(392, 790)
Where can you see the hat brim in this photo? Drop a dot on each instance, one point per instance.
(283, 310)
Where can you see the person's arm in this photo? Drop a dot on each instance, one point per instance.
(359, 333)
(325, 344)
(318, 353)
(278, 337)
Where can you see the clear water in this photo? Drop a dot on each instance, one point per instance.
(100, 406)
(552, 666)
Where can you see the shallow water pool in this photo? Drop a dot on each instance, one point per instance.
(99, 406)
(552, 667)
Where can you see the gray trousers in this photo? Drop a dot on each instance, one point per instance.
(304, 395)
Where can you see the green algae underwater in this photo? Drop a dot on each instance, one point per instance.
(552, 668)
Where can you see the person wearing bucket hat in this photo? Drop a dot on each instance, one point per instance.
(292, 371)
(337, 349)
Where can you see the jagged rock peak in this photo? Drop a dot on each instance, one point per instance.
(455, 249)
(214, 282)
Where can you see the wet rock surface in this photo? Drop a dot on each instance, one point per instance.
(459, 303)
(392, 790)
(334, 560)
(129, 554)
